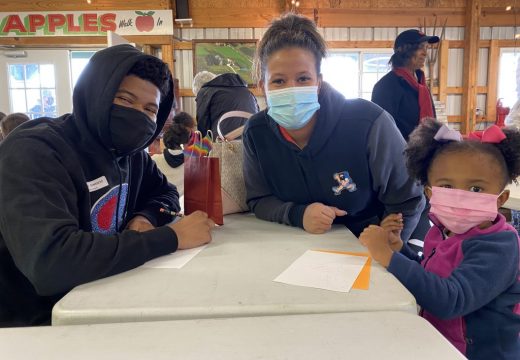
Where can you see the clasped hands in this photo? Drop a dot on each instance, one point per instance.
(382, 240)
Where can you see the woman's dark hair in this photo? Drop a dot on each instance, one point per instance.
(422, 149)
(179, 132)
(403, 54)
(290, 30)
(153, 70)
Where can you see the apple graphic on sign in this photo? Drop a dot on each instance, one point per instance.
(145, 21)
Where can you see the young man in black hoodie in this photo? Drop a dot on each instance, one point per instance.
(81, 198)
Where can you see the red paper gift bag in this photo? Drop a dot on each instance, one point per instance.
(202, 190)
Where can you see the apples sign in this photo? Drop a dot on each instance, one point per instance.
(145, 21)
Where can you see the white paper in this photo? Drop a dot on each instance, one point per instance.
(336, 272)
(175, 260)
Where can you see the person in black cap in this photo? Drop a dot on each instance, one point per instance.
(403, 91)
(404, 94)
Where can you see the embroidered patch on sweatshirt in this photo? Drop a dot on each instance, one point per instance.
(344, 181)
(103, 213)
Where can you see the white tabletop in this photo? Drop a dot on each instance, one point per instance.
(232, 277)
(514, 197)
(374, 335)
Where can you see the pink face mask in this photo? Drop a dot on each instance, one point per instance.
(461, 210)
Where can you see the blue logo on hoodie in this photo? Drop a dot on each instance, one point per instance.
(345, 182)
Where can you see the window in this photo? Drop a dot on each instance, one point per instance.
(78, 61)
(32, 89)
(354, 73)
(509, 76)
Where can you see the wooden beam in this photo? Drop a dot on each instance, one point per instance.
(167, 56)
(386, 17)
(443, 69)
(183, 45)
(67, 5)
(469, 80)
(491, 99)
(232, 16)
(360, 44)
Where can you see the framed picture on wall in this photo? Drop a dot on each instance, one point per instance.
(225, 56)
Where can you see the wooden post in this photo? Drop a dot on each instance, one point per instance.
(472, 34)
(443, 70)
(167, 56)
(491, 99)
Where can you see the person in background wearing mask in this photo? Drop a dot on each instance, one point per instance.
(314, 158)
(82, 199)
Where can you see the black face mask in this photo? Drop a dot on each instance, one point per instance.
(173, 160)
(130, 129)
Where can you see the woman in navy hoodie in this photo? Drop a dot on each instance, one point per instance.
(314, 158)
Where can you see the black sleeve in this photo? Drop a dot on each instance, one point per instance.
(155, 192)
(42, 203)
(203, 111)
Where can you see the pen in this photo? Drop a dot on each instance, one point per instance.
(172, 213)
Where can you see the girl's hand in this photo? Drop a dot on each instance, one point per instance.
(375, 238)
(393, 223)
(318, 218)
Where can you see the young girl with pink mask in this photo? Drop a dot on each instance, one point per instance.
(468, 285)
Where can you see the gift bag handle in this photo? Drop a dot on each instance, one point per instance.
(232, 135)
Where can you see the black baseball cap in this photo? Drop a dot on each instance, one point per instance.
(413, 36)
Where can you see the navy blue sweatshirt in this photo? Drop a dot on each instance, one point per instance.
(354, 141)
(60, 187)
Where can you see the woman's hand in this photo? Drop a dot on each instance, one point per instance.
(318, 218)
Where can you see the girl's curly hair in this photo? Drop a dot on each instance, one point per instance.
(422, 149)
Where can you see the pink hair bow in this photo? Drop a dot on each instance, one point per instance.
(446, 134)
(492, 134)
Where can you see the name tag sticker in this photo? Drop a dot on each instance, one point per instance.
(97, 184)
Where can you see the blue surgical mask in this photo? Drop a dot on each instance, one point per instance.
(292, 108)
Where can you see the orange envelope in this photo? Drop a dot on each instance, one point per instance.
(363, 280)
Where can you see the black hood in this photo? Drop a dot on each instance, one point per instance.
(96, 89)
(227, 80)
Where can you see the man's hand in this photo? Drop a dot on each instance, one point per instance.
(393, 223)
(318, 218)
(193, 230)
(140, 223)
(375, 238)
